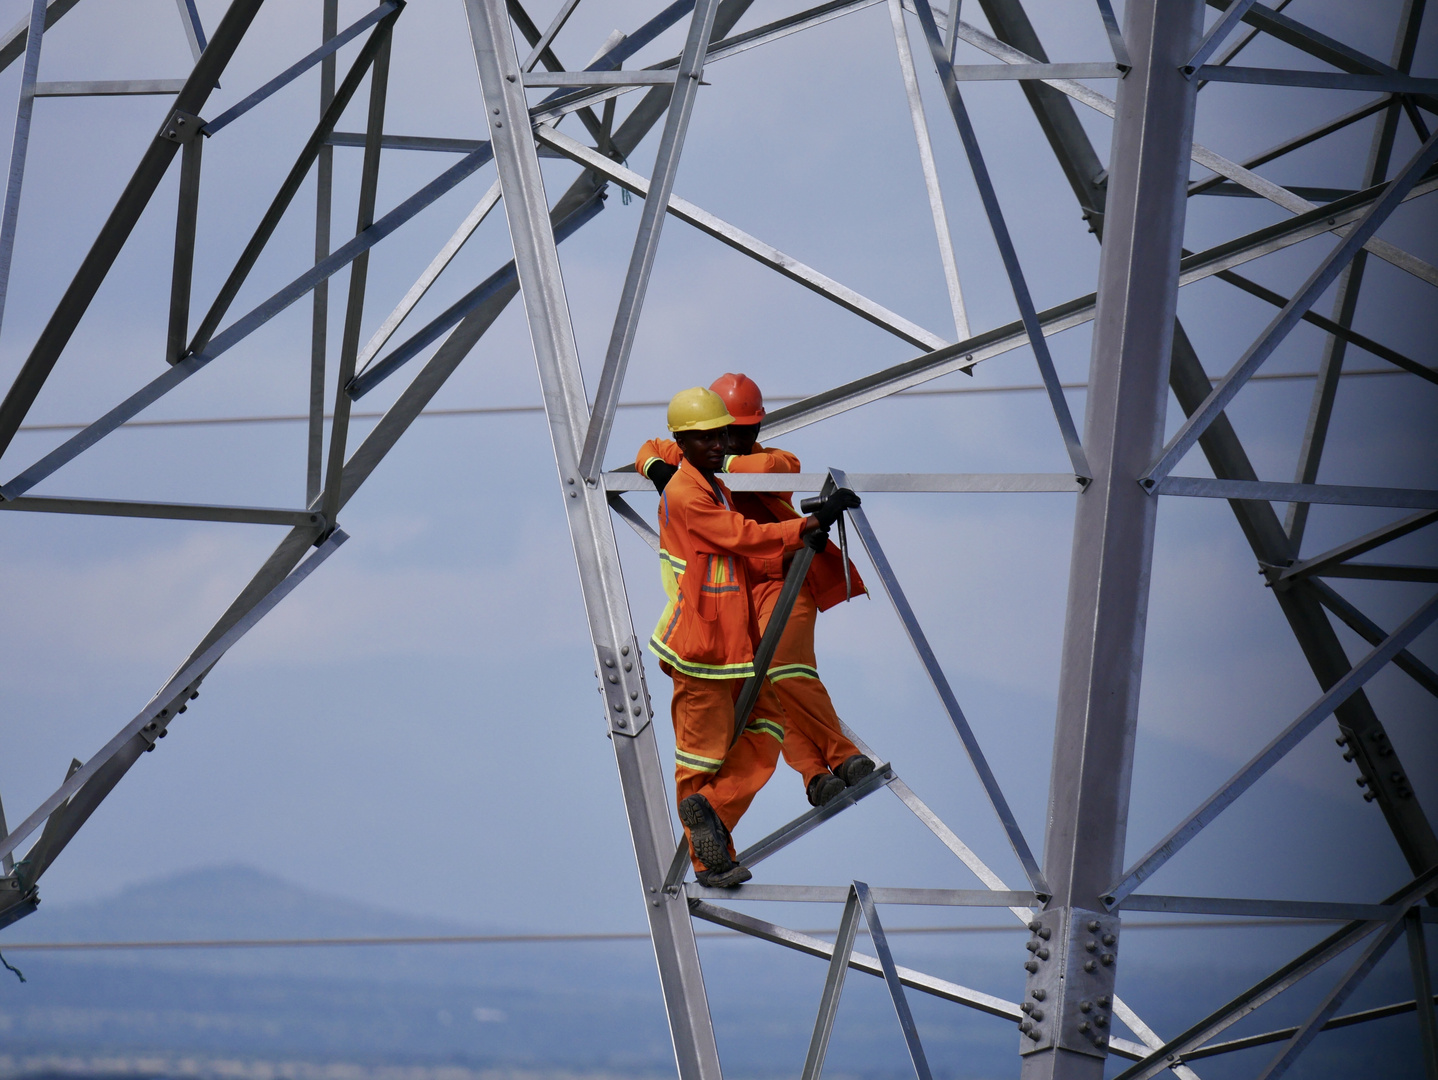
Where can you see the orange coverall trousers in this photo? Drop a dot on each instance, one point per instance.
(814, 742)
(703, 712)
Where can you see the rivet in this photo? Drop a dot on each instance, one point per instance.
(496, 111)
(510, 77)
(655, 901)
(634, 695)
(1105, 1001)
(628, 666)
(1034, 1035)
(1026, 1007)
(1106, 959)
(1089, 965)
(571, 480)
(1091, 946)
(1031, 966)
(1100, 1020)
(1043, 954)
(1039, 995)
(609, 662)
(619, 706)
(1034, 926)
(614, 678)
(621, 722)
(1100, 1040)
(1085, 1006)
(654, 888)
(636, 710)
(1093, 925)
(1046, 933)
(1024, 1026)
(624, 651)
(1109, 939)
(574, 494)
(1037, 1014)
(1032, 946)
(1083, 1025)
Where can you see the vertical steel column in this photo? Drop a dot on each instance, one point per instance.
(1113, 539)
(320, 319)
(591, 529)
(24, 109)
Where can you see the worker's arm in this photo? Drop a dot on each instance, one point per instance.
(762, 460)
(721, 531)
(658, 459)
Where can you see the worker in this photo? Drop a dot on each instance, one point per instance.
(814, 744)
(707, 635)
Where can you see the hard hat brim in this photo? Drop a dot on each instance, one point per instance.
(757, 418)
(705, 425)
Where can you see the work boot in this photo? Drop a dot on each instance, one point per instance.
(737, 874)
(708, 838)
(824, 787)
(855, 769)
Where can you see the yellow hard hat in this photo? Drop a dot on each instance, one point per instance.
(697, 409)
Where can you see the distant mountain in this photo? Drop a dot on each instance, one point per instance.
(461, 1012)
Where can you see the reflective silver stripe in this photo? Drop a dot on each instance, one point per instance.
(697, 763)
(792, 671)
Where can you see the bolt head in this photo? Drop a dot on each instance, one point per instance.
(1039, 995)
(1085, 1006)
(1106, 959)
(1093, 925)
(1031, 966)
(1109, 939)
(1089, 965)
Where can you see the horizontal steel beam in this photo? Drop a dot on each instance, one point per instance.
(600, 78)
(1365, 543)
(1381, 572)
(1284, 1034)
(252, 515)
(1267, 491)
(838, 894)
(109, 87)
(1325, 80)
(1105, 69)
(1261, 909)
(916, 482)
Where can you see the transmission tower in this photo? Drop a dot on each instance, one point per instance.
(1122, 465)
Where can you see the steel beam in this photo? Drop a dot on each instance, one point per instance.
(617, 648)
(320, 301)
(182, 274)
(122, 220)
(24, 111)
(1114, 522)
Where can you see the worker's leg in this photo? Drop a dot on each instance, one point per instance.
(814, 742)
(705, 764)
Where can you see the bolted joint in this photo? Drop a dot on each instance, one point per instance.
(1072, 969)
(180, 127)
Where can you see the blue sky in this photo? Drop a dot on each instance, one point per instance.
(416, 726)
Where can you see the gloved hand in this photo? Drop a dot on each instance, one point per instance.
(834, 504)
(817, 539)
(660, 472)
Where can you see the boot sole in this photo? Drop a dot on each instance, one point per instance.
(735, 875)
(855, 770)
(710, 845)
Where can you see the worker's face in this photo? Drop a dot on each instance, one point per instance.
(741, 438)
(704, 450)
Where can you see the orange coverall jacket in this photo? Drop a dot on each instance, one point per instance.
(826, 574)
(710, 628)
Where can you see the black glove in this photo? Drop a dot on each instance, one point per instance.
(834, 504)
(661, 472)
(817, 539)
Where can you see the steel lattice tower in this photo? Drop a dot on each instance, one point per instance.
(1077, 889)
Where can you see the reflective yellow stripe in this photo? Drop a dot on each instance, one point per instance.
(767, 727)
(648, 462)
(697, 670)
(696, 762)
(728, 460)
(792, 671)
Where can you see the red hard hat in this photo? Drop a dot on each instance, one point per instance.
(741, 394)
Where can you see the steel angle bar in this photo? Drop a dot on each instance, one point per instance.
(1381, 572)
(359, 277)
(1274, 491)
(497, 284)
(1104, 69)
(331, 46)
(1017, 283)
(1350, 282)
(1298, 142)
(429, 143)
(811, 819)
(835, 894)
(833, 988)
(1374, 634)
(640, 77)
(1110, 26)
(1216, 35)
(113, 234)
(1324, 80)
(1286, 319)
(194, 31)
(1259, 909)
(646, 241)
(17, 40)
(1337, 330)
(553, 108)
(110, 88)
(741, 241)
(290, 186)
(1228, 189)
(908, 977)
(635, 521)
(1283, 1034)
(178, 685)
(253, 515)
(182, 271)
(566, 9)
(1271, 754)
(431, 273)
(1243, 42)
(941, 686)
(1071, 313)
(1423, 993)
(891, 979)
(1202, 155)
(937, 211)
(616, 647)
(1377, 946)
(320, 300)
(24, 112)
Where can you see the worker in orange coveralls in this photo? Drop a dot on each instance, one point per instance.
(814, 743)
(706, 637)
